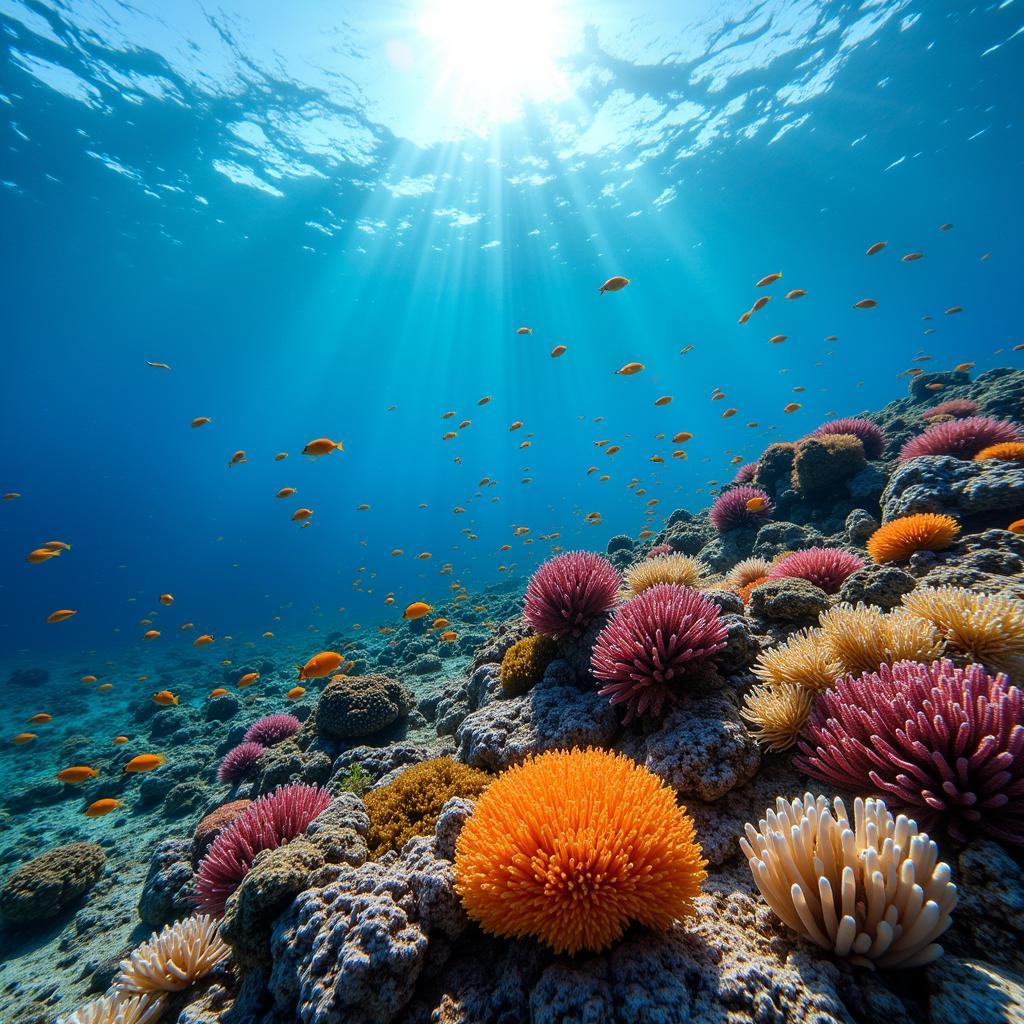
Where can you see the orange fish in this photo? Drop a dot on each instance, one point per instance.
(728, 413)
(755, 504)
(200, 421)
(61, 615)
(664, 400)
(768, 279)
(760, 303)
(613, 284)
(558, 350)
(777, 339)
(629, 369)
(237, 458)
(320, 665)
(280, 455)
(1017, 526)
(167, 599)
(202, 641)
(104, 687)
(11, 495)
(76, 774)
(524, 330)
(217, 691)
(442, 623)
(103, 806)
(301, 513)
(912, 257)
(322, 446)
(120, 739)
(792, 407)
(57, 545)
(744, 317)
(515, 426)
(417, 610)
(23, 737)
(682, 437)
(877, 247)
(295, 692)
(41, 555)
(865, 304)
(151, 634)
(41, 718)
(248, 679)
(285, 492)
(954, 309)
(158, 366)
(88, 679)
(796, 293)
(165, 698)
(963, 367)
(144, 763)
(266, 634)
(484, 400)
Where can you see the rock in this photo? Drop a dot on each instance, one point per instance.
(426, 664)
(859, 526)
(505, 636)
(168, 890)
(220, 709)
(964, 991)
(703, 749)
(154, 787)
(286, 762)
(620, 542)
(822, 463)
(775, 538)
(352, 706)
(483, 685)
(378, 762)
(46, 884)
(788, 600)
(940, 483)
(881, 585)
(212, 825)
(577, 651)
(185, 797)
(547, 718)
(775, 466)
(866, 486)
(741, 646)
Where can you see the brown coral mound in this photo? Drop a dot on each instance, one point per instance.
(572, 846)
(983, 627)
(679, 569)
(411, 803)
(49, 882)
(524, 663)
(1009, 451)
(805, 660)
(212, 825)
(900, 538)
(862, 637)
(779, 712)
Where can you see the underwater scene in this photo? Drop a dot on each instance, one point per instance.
(511, 512)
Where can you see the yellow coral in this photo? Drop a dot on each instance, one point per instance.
(804, 660)
(984, 627)
(679, 569)
(779, 712)
(900, 538)
(524, 663)
(173, 959)
(411, 803)
(571, 846)
(872, 889)
(863, 637)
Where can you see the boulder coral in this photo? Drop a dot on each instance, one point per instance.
(46, 884)
(568, 592)
(353, 706)
(524, 663)
(570, 847)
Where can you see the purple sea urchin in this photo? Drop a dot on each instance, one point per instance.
(731, 510)
(239, 762)
(962, 439)
(826, 568)
(272, 729)
(567, 593)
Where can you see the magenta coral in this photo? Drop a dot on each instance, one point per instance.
(870, 435)
(239, 762)
(958, 408)
(267, 823)
(730, 509)
(660, 550)
(942, 744)
(567, 593)
(962, 439)
(272, 729)
(745, 473)
(643, 653)
(824, 567)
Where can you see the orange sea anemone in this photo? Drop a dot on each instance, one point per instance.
(748, 588)
(1008, 451)
(571, 846)
(899, 539)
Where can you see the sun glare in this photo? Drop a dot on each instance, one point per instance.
(492, 56)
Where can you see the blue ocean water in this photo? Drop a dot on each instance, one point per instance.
(331, 221)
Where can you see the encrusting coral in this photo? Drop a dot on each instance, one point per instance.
(826, 568)
(113, 1009)
(779, 712)
(524, 663)
(642, 655)
(411, 803)
(679, 569)
(873, 890)
(899, 539)
(174, 958)
(862, 637)
(942, 743)
(804, 660)
(570, 847)
(567, 593)
(984, 627)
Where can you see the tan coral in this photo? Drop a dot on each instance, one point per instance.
(681, 570)
(779, 712)
(747, 571)
(873, 890)
(174, 958)
(803, 660)
(117, 1009)
(984, 627)
(863, 637)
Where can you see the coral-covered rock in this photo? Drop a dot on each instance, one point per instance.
(167, 893)
(776, 538)
(352, 706)
(378, 762)
(970, 990)
(741, 646)
(860, 525)
(953, 487)
(788, 600)
(547, 718)
(881, 585)
(286, 763)
(821, 463)
(458, 701)
(211, 826)
(48, 883)
(702, 749)
(775, 465)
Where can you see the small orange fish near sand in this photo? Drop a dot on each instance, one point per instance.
(448, 636)
(768, 279)
(76, 774)
(247, 680)
(202, 641)
(144, 763)
(320, 665)
(877, 247)
(104, 687)
(322, 446)
(61, 615)
(103, 806)
(200, 421)
(237, 458)
(151, 634)
(1017, 526)
(88, 679)
(41, 718)
(165, 698)
(120, 739)
(613, 284)
(217, 691)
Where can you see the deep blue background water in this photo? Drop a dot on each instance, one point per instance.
(282, 331)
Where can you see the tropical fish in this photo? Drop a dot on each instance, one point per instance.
(484, 400)
(760, 303)
(768, 279)
(41, 718)
(88, 679)
(144, 763)
(40, 555)
(1017, 526)
(322, 446)
(613, 284)
(285, 492)
(237, 458)
(515, 426)
(524, 330)
(200, 421)
(865, 304)
(728, 413)
(417, 610)
(877, 247)
(120, 739)
(203, 640)
(165, 698)
(102, 806)
(301, 514)
(682, 437)
(629, 369)
(755, 504)
(217, 691)
(796, 293)
(449, 635)
(158, 366)
(104, 687)
(664, 400)
(11, 495)
(151, 634)
(247, 680)
(57, 545)
(167, 599)
(954, 309)
(792, 407)
(61, 614)
(280, 455)
(558, 350)
(76, 774)
(320, 665)
(911, 257)
(777, 339)
(23, 737)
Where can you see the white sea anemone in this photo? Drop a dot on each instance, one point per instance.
(173, 959)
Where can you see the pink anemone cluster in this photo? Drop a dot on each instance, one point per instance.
(824, 567)
(730, 509)
(958, 408)
(745, 473)
(239, 762)
(962, 439)
(567, 593)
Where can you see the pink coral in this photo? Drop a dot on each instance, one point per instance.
(870, 434)
(942, 744)
(642, 655)
(272, 729)
(267, 823)
(239, 762)
(824, 567)
(567, 593)
(962, 439)
(958, 408)
(730, 509)
(660, 550)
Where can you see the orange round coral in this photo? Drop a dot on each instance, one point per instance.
(924, 531)
(570, 847)
(747, 589)
(1008, 451)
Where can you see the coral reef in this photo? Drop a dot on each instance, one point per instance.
(955, 408)
(862, 638)
(826, 568)
(567, 593)
(524, 663)
(212, 825)
(821, 463)
(173, 959)
(804, 660)
(570, 847)
(778, 712)
(114, 1009)
(957, 767)
(48, 883)
(682, 570)
(873, 889)
(643, 654)
(732, 510)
